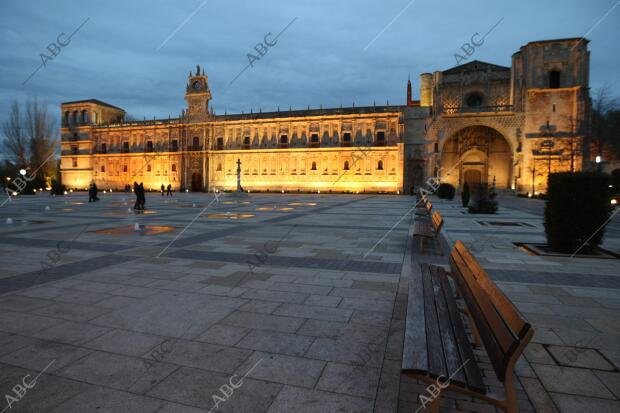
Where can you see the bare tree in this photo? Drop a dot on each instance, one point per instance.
(41, 132)
(15, 141)
(602, 104)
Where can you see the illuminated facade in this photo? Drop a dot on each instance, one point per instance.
(474, 123)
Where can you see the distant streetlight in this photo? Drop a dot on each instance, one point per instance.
(22, 172)
(598, 159)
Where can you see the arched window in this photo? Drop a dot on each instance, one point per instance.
(148, 168)
(126, 147)
(554, 79)
(436, 147)
(474, 100)
(346, 165)
(380, 165)
(102, 168)
(94, 117)
(219, 167)
(84, 118)
(75, 117)
(65, 119)
(124, 168)
(219, 144)
(104, 148)
(149, 146)
(74, 163)
(174, 167)
(246, 142)
(314, 140)
(313, 166)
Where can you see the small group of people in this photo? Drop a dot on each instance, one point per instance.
(138, 189)
(92, 192)
(169, 190)
(128, 188)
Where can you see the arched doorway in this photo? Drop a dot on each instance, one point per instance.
(473, 178)
(477, 154)
(196, 182)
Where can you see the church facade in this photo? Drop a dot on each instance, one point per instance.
(475, 123)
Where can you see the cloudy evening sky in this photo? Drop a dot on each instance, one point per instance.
(137, 54)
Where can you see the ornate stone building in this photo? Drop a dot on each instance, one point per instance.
(477, 122)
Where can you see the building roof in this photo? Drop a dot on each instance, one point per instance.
(95, 101)
(466, 66)
(311, 112)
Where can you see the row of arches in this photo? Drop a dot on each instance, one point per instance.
(379, 138)
(77, 117)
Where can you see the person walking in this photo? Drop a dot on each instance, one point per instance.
(95, 190)
(169, 193)
(136, 191)
(91, 192)
(142, 196)
(163, 188)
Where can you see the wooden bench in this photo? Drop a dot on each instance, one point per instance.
(425, 208)
(436, 347)
(424, 230)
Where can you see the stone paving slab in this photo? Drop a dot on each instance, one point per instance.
(316, 326)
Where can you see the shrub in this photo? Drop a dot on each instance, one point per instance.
(445, 191)
(465, 195)
(577, 206)
(615, 179)
(483, 201)
(58, 188)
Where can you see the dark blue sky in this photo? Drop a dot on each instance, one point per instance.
(336, 52)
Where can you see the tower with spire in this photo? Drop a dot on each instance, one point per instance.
(410, 101)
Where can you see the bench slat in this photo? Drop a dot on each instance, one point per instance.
(490, 344)
(472, 372)
(415, 357)
(516, 322)
(436, 361)
(451, 352)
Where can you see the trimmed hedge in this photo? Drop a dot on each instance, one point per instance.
(446, 191)
(577, 206)
(483, 201)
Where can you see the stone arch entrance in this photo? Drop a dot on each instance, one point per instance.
(477, 154)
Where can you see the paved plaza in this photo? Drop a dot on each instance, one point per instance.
(273, 303)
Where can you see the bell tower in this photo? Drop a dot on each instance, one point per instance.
(198, 95)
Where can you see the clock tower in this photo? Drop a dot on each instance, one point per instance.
(197, 95)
